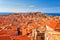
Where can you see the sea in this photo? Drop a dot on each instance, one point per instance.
(51, 14)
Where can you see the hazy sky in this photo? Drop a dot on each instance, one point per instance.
(30, 5)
